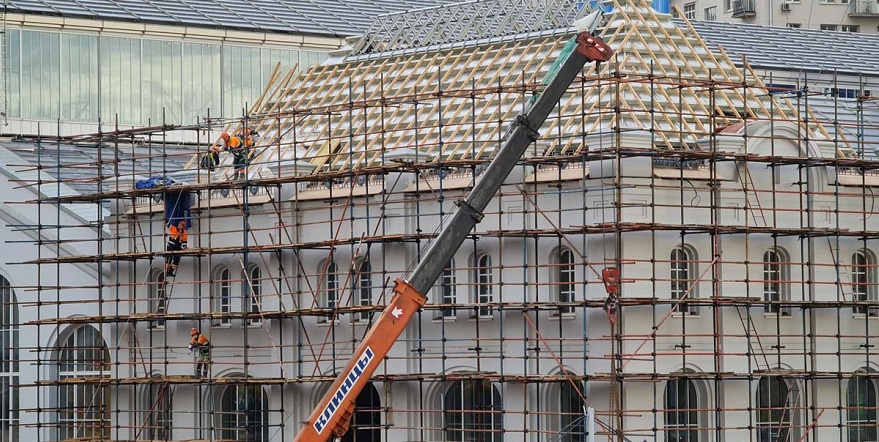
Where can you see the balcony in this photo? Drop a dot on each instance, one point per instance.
(744, 8)
(863, 8)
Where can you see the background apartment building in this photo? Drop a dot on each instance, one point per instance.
(826, 15)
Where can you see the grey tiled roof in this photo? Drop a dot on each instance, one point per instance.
(859, 122)
(793, 49)
(337, 18)
(76, 164)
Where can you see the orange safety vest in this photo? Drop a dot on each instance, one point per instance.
(178, 234)
(199, 340)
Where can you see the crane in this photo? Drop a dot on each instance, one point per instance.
(332, 416)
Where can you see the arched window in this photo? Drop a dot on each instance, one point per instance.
(684, 272)
(367, 419)
(363, 288)
(253, 293)
(681, 411)
(572, 425)
(483, 278)
(84, 407)
(775, 404)
(565, 279)
(472, 411)
(864, 281)
(158, 296)
(158, 411)
(245, 414)
(447, 290)
(776, 281)
(329, 292)
(8, 362)
(861, 401)
(223, 296)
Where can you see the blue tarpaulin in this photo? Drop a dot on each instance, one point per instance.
(177, 208)
(156, 181)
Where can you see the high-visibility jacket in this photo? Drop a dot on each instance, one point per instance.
(199, 341)
(177, 237)
(202, 344)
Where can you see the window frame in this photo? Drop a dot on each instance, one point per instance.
(447, 293)
(223, 296)
(363, 286)
(465, 410)
(158, 416)
(80, 348)
(571, 422)
(483, 286)
(366, 421)
(230, 427)
(253, 293)
(330, 293)
(776, 281)
(863, 282)
(683, 271)
(565, 279)
(711, 13)
(765, 420)
(691, 410)
(853, 422)
(689, 10)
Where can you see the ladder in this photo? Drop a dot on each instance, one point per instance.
(752, 200)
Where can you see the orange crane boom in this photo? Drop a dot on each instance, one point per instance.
(333, 414)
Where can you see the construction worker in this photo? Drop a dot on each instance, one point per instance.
(211, 159)
(177, 238)
(240, 151)
(223, 142)
(200, 342)
(251, 138)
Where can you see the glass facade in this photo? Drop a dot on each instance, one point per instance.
(80, 77)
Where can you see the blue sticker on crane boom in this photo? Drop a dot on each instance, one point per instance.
(342, 392)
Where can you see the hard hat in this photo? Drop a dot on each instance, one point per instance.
(194, 331)
(225, 136)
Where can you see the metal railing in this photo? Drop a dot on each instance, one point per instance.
(744, 8)
(863, 8)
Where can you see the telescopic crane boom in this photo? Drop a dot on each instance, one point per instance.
(333, 414)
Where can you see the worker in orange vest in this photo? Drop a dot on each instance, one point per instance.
(200, 342)
(177, 238)
(241, 144)
(211, 159)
